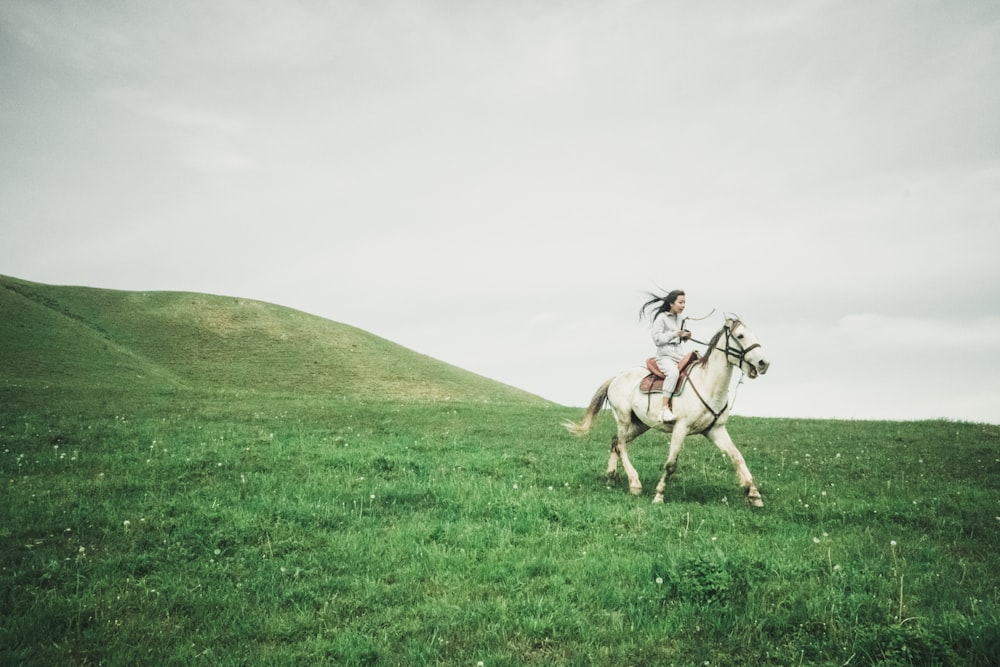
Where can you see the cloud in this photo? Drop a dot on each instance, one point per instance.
(217, 160)
(495, 184)
(922, 333)
(205, 139)
(197, 119)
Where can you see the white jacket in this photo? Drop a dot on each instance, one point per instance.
(666, 336)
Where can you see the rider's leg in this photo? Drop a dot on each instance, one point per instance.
(670, 372)
(666, 415)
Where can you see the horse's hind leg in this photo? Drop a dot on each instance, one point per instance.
(677, 436)
(613, 459)
(619, 453)
(634, 485)
(628, 430)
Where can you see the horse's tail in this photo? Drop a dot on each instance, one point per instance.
(596, 403)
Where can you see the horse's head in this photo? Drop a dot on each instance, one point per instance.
(744, 350)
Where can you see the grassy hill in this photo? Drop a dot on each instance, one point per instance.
(199, 480)
(85, 338)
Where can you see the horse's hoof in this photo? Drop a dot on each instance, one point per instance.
(753, 496)
(658, 500)
(635, 490)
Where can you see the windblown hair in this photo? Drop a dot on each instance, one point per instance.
(664, 302)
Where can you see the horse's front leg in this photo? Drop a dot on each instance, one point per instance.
(720, 436)
(670, 467)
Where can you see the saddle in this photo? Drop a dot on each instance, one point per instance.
(653, 382)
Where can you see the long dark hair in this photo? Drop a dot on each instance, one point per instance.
(665, 302)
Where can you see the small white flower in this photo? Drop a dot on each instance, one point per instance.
(659, 580)
(893, 543)
(126, 523)
(816, 540)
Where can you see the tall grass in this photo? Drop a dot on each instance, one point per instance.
(234, 528)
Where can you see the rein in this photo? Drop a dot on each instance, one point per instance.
(715, 415)
(739, 353)
(731, 351)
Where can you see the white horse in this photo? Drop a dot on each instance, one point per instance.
(702, 406)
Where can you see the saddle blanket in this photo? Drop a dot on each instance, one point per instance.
(653, 383)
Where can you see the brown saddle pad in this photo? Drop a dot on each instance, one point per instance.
(654, 381)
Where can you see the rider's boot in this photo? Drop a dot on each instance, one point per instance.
(666, 415)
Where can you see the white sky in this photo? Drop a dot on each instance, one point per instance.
(497, 184)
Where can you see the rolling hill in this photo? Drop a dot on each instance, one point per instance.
(184, 484)
(88, 338)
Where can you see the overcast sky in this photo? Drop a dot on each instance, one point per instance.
(497, 184)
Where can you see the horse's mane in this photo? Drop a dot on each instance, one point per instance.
(715, 340)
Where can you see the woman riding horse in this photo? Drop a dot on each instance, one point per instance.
(701, 407)
(668, 336)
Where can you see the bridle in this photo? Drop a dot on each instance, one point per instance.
(739, 353)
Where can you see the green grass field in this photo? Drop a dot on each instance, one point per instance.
(262, 517)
